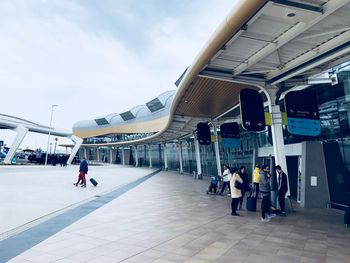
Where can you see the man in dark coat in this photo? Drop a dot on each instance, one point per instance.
(282, 187)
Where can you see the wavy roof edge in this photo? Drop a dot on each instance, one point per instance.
(108, 124)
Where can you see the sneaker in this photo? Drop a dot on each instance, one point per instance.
(283, 214)
(75, 184)
(264, 220)
(271, 216)
(83, 186)
(235, 214)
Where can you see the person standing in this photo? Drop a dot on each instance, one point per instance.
(245, 185)
(226, 179)
(236, 185)
(274, 188)
(256, 179)
(264, 184)
(83, 170)
(282, 188)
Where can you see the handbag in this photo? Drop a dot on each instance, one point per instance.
(238, 184)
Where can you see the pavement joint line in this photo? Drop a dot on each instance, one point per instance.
(46, 217)
(172, 238)
(24, 240)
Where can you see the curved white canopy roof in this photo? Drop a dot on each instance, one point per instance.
(259, 44)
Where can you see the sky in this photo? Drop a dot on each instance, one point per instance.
(95, 57)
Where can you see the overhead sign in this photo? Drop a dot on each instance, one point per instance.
(252, 110)
(203, 133)
(302, 113)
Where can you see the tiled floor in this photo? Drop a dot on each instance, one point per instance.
(169, 218)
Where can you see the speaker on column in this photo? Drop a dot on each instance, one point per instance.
(203, 133)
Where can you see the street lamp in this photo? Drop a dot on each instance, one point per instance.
(48, 139)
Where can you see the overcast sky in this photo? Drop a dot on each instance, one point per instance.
(95, 57)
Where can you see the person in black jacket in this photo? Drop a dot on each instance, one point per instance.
(83, 170)
(245, 185)
(282, 187)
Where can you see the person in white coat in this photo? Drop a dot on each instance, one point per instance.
(235, 185)
(225, 179)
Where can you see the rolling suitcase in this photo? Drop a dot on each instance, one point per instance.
(93, 181)
(251, 203)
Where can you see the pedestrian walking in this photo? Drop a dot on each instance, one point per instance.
(264, 184)
(236, 186)
(225, 179)
(83, 170)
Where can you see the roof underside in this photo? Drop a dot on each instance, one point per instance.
(283, 37)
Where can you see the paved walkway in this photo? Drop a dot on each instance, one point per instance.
(30, 192)
(169, 218)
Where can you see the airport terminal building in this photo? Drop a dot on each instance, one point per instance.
(273, 47)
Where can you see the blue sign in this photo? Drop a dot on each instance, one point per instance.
(306, 127)
(302, 113)
(230, 143)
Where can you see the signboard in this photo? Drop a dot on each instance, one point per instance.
(203, 133)
(252, 110)
(230, 136)
(302, 113)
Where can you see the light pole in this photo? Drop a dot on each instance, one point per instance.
(48, 139)
(54, 149)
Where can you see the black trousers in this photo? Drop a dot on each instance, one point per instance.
(281, 201)
(265, 206)
(243, 190)
(256, 190)
(224, 184)
(234, 204)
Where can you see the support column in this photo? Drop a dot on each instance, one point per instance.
(217, 151)
(85, 153)
(136, 157)
(198, 157)
(21, 133)
(78, 141)
(123, 156)
(97, 154)
(277, 132)
(111, 155)
(180, 158)
(150, 156)
(165, 157)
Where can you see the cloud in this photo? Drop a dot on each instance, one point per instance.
(96, 59)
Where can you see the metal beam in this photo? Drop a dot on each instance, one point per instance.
(292, 33)
(306, 63)
(329, 8)
(272, 47)
(308, 36)
(299, 5)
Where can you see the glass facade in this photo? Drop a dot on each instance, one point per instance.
(334, 109)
